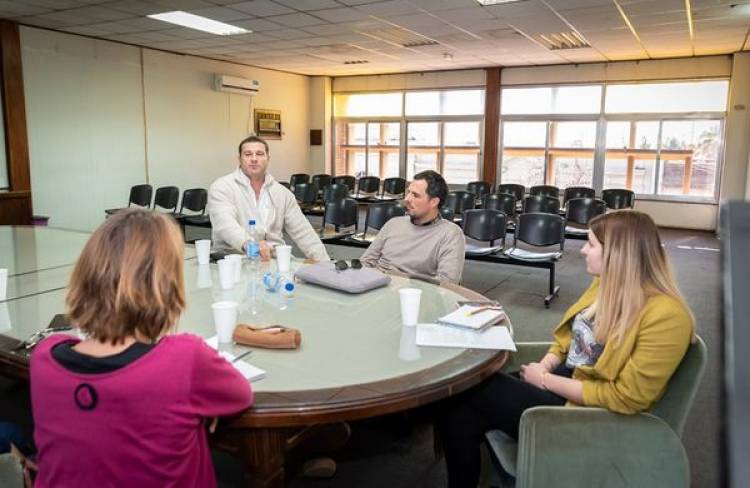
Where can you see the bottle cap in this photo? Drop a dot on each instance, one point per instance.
(289, 286)
(251, 222)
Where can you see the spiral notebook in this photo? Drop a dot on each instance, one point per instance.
(473, 317)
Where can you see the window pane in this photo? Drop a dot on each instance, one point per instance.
(420, 160)
(523, 166)
(461, 133)
(356, 134)
(573, 134)
(423, 134)
(367, 104)
(391, 166)
(572, 153)
(694, 96)
(382, 147)
(689, 154)
(447, 102)
(524, 134)
(552, 100)
(631, 155)
(460, 168)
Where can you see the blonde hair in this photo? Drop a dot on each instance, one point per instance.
(129, 278)
(634, 268)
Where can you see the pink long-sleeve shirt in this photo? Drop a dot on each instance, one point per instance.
(140, 425)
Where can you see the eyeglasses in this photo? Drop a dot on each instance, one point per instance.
(342, 265)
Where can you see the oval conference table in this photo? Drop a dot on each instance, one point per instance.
(356, 360)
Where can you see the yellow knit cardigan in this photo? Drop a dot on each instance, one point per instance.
(632, 376)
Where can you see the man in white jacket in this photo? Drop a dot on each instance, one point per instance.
(251, 193)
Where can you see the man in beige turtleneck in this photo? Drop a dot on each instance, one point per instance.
(421, 243)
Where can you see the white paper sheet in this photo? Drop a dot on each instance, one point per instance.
(437, 335)
(247, 370)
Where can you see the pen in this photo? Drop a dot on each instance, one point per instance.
(482, 309)
(272, 330)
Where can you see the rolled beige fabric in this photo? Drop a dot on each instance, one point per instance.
(275, 337)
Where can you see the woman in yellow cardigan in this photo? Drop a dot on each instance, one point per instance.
(615, 348)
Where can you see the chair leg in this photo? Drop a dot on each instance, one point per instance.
(553, 290)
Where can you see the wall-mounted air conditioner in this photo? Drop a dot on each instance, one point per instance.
(234, 84)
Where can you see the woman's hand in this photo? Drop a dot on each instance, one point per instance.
(532, 373)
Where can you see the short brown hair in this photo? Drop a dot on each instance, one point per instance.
(129, 278)
(250, 139)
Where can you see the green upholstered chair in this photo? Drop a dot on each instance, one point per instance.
(564, 446)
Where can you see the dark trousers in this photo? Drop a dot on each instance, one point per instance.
(497, 403)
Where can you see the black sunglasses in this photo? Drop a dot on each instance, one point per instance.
(342, 265)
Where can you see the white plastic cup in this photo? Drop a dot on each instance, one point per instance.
(203, 280)
(407, 348)
(410, 298)
(283, 258)
(226, 274)
(236, 260)
(225, 320)
(3, 283)
(203, 249)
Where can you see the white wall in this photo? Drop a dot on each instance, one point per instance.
(85, 125)
(411, 81)
(103, 116)
(320, 118)
(737, 150)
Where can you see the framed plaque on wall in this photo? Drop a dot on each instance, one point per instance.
(268, 123)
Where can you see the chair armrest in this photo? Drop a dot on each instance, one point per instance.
(579, 446)
(527, 352)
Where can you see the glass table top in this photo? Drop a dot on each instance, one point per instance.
(41, 259)
(346, 339)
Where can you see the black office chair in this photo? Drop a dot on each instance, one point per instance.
(458, 201)
(572, 192)
(339, 213)
(447, 213)
(579, 213)
(503, 202)
(193, 201)
(298, 178)
(306, 195)
(484, 225)
(541, 204)
(334, 191)
(321, 181)
(286, 185)
(514, 189)
(545, 190)
(617, 198)
(479, 188)
(540, 230)
(347, 180)
(377, 215)
(369, 186)
(393, 188)
(140, 195)
(166, 198)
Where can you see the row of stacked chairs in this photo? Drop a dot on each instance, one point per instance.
(364, 188)
(192, 208)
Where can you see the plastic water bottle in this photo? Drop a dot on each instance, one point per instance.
(253, 247)
(274, 282)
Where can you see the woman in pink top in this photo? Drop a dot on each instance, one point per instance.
(127, 406)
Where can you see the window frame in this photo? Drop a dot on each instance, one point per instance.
(404, 120)
(601, 136)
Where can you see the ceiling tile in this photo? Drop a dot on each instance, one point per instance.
(341, 14)
(257, 25)
(12, 9)
(137, 7)
(289, 33)
(169, 5)
(389, 8)
(307, 5)
(297, 20)
(261, 8)
(222, 14)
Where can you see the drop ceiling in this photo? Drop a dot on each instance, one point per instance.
(350, 37)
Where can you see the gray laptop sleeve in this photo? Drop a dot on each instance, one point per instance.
(348, 281)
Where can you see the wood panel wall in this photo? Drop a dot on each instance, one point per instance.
(15, 204)
(491, 124)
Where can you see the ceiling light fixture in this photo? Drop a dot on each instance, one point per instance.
(563, 40)
(485, 3)
(689, 12)
(197, 22)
